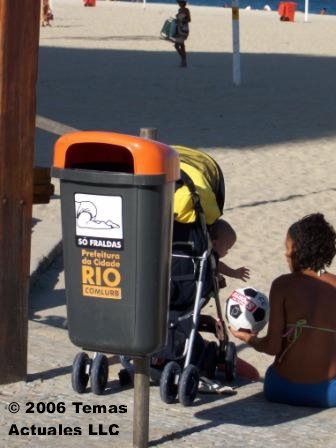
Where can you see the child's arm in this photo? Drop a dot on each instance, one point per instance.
(242, 273)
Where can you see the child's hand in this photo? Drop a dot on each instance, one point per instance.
(242, 273)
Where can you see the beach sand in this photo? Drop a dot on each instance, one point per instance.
(105, 68)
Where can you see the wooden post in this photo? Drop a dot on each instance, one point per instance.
(150, 133)
(141, 402)
(19, 41)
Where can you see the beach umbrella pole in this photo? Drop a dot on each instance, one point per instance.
(235, 43)
(306, 10)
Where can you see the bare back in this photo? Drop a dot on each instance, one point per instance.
(312, 356)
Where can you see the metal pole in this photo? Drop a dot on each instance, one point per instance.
(235, 42)
(142, 372)
(150, 133)
(141, 402)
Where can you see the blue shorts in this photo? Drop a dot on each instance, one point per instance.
(322, 395)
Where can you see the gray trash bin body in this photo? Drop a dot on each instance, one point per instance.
(117, 244)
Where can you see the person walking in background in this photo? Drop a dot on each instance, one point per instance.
(46, 13)
(182, 24)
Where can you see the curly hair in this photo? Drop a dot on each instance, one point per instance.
(314, 243)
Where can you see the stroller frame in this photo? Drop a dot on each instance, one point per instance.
(184, 382)
(200, 301)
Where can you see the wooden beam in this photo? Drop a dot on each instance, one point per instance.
(43, 188)
(19, 40)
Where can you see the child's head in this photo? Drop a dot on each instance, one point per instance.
(223, 237)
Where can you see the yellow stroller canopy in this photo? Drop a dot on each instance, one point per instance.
(208, 180)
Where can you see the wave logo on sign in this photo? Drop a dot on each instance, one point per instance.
(99, 221)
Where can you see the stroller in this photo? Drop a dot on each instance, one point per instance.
(199, 201)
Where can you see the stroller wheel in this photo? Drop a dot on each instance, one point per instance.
(210, 360)
(188, 385)
(99, 374)
(80, 372)
(169, 382)
(231, 361)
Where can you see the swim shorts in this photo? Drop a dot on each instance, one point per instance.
(280, 390)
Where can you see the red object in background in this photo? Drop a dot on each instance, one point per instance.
(89, 2)
(286, 11)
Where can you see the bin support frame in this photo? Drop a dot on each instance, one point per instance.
(142, 372)
(141, 402)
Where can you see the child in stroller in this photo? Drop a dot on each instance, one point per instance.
(223, 237)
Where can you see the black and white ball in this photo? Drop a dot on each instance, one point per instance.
(247, 309)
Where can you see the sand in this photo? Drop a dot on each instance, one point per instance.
(105, 68)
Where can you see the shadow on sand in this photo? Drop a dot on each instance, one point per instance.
(43, 298)
(198, 106)
(252, 411)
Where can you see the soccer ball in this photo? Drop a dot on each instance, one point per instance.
(247, 309)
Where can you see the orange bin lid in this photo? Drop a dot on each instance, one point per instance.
(149, 157)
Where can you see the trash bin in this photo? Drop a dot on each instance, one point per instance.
(116, 203)
(286, 11)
